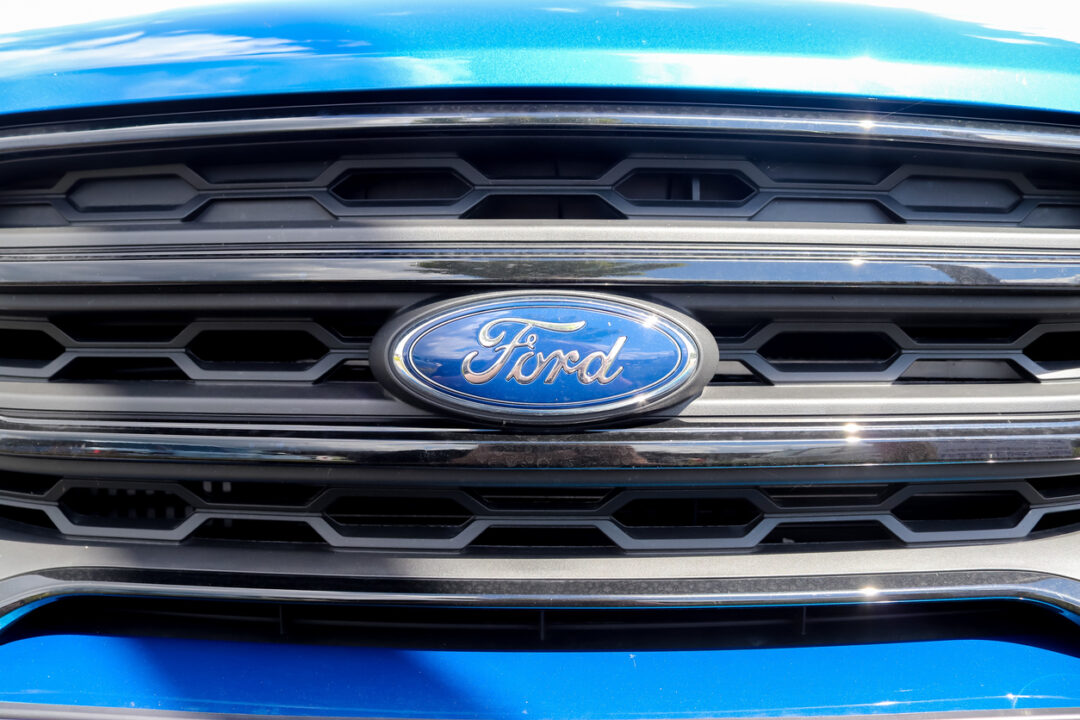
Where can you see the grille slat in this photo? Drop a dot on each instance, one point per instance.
(639, 520)
(310, 349)
(827, 185)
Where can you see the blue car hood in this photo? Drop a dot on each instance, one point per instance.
(66, 55)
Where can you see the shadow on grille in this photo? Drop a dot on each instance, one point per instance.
(120, 369)
(401, 186)
(649, 187)
(508, 629)
(27, 348)
(708, 517)
(406, 516)
(257, 347)
(925, 512)
(545, 519)
(333, 347)
(1056, 350)
(125, 507)
(829, 350)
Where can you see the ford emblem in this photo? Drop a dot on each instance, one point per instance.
(544, 358)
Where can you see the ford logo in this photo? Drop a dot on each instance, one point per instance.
(544, 358)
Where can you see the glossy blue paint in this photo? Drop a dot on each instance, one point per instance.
(547, 353)
(338, 681)
(1023, 54)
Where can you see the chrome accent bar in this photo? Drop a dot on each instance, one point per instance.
(467, 252)
(694, 444)
(691, 118)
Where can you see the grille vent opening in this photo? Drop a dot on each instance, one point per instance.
(152, 192)
(974, 332)
(963, 371)
(573, 538)
(120, 369)
(816, 496)
(478, 519)
(157, 328)
(257, 347)
(465, 628)
(125, 507)
(961, 511)
(658, 517)
(1060, 521)
(670, 187)
(799, 535)
(510, 161)
(27, 348)
(827, 350)
(254, 493)
(530, 499)
(957, 194)
(350, 371)
(260, 531)
(401, 186)
(1056, 350)
(26, 483)
(1057, 487)
(543, 207)
(26, 517)
(383, 515)
(809, 210)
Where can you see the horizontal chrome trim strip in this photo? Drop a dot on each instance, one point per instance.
(493, 116)
(549, 253)
(675, 444)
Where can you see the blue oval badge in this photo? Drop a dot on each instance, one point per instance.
(544, 358)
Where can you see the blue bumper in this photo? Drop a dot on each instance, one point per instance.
(279, 679)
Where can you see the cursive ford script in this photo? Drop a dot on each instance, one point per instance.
(531, 365)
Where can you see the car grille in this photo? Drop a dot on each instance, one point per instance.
(549, 178)
(544, 519)
(134, 347)
(185, 329)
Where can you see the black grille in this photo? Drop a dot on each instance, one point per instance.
(464, 628)
(634, 520)
(547, 178)
(308, 349)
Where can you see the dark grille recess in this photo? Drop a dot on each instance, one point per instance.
(470, 628)
(602, 178)
(313, 349)
(633, 520)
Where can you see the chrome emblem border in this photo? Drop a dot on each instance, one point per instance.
(532, 358)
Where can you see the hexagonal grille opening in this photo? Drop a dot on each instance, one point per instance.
(832, 351)
(152, 192)
(660, 517)
(393, 516)
(120, 369)
(942, 511)
(294, 348)
(667, 187)
(545, 538)
(124, 507)
(1056, 350)
(414, 187)
(27, 348)
(957, 194)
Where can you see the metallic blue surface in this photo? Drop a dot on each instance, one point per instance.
(279, 679)
(548, 353)
(1024, 54)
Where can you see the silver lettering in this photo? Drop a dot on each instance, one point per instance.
(549, 366)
